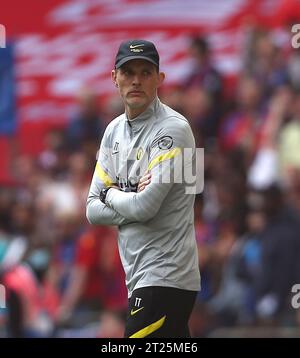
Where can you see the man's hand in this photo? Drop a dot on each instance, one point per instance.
(144, 181)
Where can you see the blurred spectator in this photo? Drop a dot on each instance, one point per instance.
(53, 159)
(68, 231)
(205, 78)
(234, 302)
(198, 107)
(203, 73)
(60, 196)
(96, 280)
(6, 200)
(293, 69)
(242, 127)
(280, 256)
(173, 96)
(265, 62)
(264, 170)
(111, 326)
(262, 266)
(31, 301)
(86, 127)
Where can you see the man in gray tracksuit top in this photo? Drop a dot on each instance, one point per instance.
(135, 186)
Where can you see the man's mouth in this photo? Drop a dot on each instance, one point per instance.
(135, 93)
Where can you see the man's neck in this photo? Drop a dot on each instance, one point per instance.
(132, 113)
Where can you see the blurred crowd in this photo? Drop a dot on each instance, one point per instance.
(63, 277)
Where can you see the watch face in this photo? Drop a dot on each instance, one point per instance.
(103, 193)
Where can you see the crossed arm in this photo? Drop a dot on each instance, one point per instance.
(100, 214)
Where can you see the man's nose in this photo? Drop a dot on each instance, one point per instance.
(136, 80)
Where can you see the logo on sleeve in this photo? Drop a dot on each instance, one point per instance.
(165, 142)
(139, 153)
(116, 148)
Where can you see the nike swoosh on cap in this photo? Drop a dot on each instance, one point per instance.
(135, 46)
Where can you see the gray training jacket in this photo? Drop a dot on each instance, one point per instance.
(156, 226)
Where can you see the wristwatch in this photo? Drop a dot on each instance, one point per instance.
(103, 193)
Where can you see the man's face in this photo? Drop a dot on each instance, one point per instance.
(137, 81)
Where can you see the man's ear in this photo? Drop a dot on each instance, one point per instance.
(114, 77)
(161, 79)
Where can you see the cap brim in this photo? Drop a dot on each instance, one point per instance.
(129, 58)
